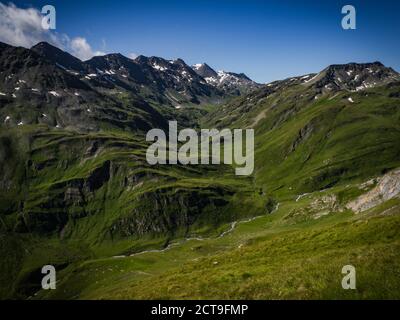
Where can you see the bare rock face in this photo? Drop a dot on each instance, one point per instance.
(73, 196)
(318, 208)
(388, 187)
(228, 82)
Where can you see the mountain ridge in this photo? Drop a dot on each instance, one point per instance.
(78, 193)
(230, 82)
(201, 88)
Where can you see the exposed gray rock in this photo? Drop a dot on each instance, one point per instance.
(388, 187)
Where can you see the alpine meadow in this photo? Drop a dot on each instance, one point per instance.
(301, 176)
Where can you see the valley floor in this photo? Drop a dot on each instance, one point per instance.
(289, 254)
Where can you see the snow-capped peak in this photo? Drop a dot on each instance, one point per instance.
(228, 81)
(197, 66)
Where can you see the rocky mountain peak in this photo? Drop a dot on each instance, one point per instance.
(58, 56)
(229, 82)
(204, 70)
(353, 76)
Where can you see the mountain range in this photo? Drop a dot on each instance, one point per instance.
(85, 92)
(78, 193)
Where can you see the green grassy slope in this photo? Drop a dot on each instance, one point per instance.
(272, 257)
(94, 195)
(80, 200)
(305, 144)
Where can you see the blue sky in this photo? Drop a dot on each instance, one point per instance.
(267, 40)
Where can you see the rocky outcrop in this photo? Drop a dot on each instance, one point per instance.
(388, 187)
(164, 211)
(318, 208)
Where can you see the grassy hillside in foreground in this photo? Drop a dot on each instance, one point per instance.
(272, 257)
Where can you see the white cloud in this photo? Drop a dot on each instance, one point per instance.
(81, 49)
(23, 27)
(132, 55)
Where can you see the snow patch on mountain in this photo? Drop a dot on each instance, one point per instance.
(228, 81)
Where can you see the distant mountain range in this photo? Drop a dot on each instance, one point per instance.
(174, 79)
(57, 89)
(87, 93)
(228, 82)
(78, 193)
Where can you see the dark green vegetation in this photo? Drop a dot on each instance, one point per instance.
(305, 144)
(98, 189)
(268, 258)
(77, 192)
